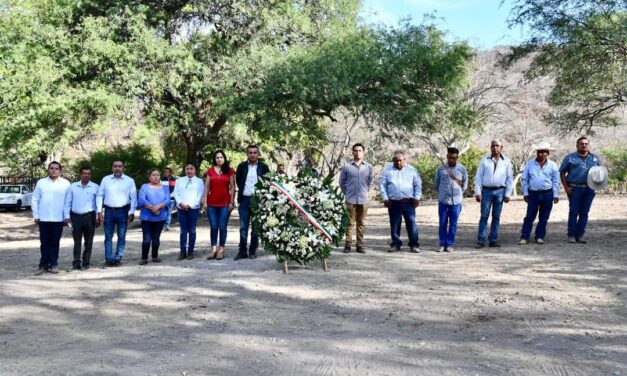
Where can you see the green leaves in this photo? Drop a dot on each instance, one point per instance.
(583, 46)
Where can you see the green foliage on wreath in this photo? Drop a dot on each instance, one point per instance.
(285, 232)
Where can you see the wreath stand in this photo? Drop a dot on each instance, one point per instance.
(325, 266)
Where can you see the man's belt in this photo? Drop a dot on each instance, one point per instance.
(87, 213)
(492, 188)
(578, 185)
(404, 200)
(541, 191)
(125, 207)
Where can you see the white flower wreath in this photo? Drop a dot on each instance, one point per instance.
(299, 218)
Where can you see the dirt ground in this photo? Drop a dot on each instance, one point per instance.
(554, 309)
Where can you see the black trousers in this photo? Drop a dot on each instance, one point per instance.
(83, 226)
(151, 232)
(50, 236)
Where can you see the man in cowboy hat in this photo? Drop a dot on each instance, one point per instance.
(541, 187)
(575, 174)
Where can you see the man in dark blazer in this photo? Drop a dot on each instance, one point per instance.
(246, 176)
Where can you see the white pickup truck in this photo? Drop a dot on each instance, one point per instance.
(15, 196)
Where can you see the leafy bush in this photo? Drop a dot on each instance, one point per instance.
(616, 161)
(138, 159)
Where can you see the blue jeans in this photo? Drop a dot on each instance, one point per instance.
(218, 219)
(187, 221)
(244, 224)
(168, 218)
(49, 237)
(113, 218)
(490, 200)
(542, 202)
(151, 232)
(405, 210)
(579, 206)
(449, 214)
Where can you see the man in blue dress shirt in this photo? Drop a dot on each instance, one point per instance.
(80, 211)
(117, 195)
(401, 189)
(541, 189)
(493, 186)
(47, 207)
(574, 175)
(451, 180)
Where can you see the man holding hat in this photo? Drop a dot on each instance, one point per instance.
(541, 188)
(581, 175)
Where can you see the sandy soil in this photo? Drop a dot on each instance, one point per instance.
(557, 309)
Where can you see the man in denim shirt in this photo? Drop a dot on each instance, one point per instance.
(541, 189)
(401, 189)
(356, 178)
(451, 180)
(493, 186)
(574, 175)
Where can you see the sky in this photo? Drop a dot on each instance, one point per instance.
(483, 23)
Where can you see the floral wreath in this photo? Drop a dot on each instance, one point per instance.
(298, 218)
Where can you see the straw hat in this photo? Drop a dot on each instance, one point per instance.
(543, 145)
(598, 178)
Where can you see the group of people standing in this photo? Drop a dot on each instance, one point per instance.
(400, 187)
(85, 205)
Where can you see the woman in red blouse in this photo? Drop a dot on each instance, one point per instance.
(219, 201)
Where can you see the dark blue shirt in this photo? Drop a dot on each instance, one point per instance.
(577, 167)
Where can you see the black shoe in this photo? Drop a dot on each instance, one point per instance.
(85, 267)
(347, 249)
(74, 268)
(117, 263)
(156, 259)
(361, 250)
(239, 257)
(143, 262)
(252, 256)
(479, 245)
(495, 244)
(181, 257)
(108, 264)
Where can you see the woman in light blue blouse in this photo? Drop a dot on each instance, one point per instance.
(153, 202)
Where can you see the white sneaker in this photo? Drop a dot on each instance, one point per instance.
(540, 241)
(523, 242)
(441, 249)
(572, 240)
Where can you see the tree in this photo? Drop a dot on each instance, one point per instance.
(397, 80)
(46, 102)
(582, 45)
(185, 64)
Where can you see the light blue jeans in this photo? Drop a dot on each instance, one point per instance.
(490, 199)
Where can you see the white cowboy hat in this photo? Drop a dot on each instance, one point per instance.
(543, 146)
(598, 178)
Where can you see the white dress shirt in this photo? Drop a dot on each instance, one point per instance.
(251, 180)
(117, 192)
(48, 200)
(492, 173)
(80, 199)
(189, 191)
